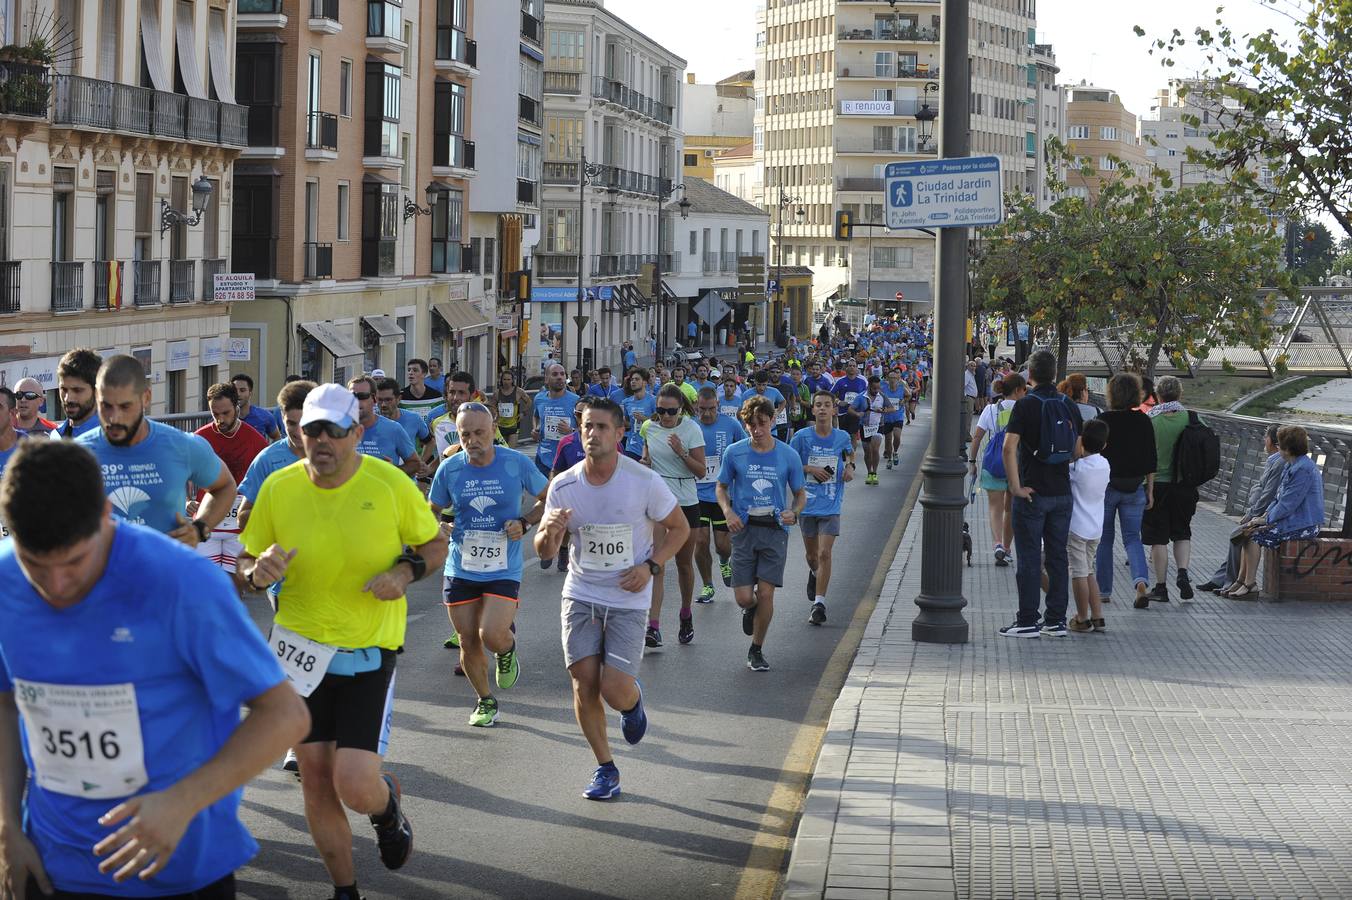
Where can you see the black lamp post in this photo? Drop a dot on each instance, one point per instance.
(663, 194)
(201, 195)
(585, 173)
(784, 202)
(412, 209)
(926, 115)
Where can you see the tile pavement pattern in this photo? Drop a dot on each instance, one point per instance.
(1200, 750)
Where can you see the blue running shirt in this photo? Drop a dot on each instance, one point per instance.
(148, 482)
(718, 437)
(551, 413)
(758, 481)
(386, 440)
(485, 499)
(823, 499)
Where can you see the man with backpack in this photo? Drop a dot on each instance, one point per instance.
(1189, 456)
(1039, 444)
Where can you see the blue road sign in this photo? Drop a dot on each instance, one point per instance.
(944, 193)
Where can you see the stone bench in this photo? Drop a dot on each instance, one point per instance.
(1319, 569)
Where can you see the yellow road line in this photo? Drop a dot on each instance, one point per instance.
(761, 876)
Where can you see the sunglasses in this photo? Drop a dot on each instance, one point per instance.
(668, 410)
(27, 395)
(362, 395)
(332, 429)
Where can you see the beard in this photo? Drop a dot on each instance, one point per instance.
(126, 439)
(77, 413)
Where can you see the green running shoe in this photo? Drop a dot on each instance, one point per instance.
(725, 569)
(452, 642)
(509, 669)
(485, 714)
(706, 594)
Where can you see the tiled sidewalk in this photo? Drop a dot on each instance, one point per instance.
(1200, 750)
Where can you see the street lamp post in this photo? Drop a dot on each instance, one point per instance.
(940, 620)
(663, 194)
(784, 202)
(585, 173)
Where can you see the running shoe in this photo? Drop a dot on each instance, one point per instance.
(755, 661)
(1185, 592)
(634, 724)
(605, 783)
(1021, 631)
(394, 839)
(725, 569)
(1001, 556)
(545, 563)
(749, 621)
(889, 462)
(686, 633)
(291, 764)
(452, 642)
(460, 670)
(509, 669)
(811, 585)
(652, 637)
(895, 461)
(818, 614)
(563, 563)
(706, 594)
(485, 713)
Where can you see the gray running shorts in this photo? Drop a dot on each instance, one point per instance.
(815, 525)
(758, 554)
(594, 629)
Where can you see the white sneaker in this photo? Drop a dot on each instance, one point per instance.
(291, 764)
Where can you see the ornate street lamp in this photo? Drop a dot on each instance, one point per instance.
(412, 209)
(201, 195)
(926, 115)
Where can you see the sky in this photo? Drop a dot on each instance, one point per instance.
(1093, 40)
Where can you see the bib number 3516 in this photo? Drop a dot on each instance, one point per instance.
(304, 661)
(84, 740)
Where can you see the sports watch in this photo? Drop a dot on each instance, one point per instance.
(653, 567)
(203, 530)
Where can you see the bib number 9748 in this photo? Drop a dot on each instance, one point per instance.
(291, 655)
(304, 661)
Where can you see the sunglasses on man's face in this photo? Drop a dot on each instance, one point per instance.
(668, 410)
(362, 395)
(332, 429)
(27, 395)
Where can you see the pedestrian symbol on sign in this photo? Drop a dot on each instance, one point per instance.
(901, 193)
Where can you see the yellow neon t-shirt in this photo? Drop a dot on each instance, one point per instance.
(343, 537)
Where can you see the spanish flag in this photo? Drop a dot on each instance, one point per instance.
(114, 284)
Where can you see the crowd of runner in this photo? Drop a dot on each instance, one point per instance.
(131, 540)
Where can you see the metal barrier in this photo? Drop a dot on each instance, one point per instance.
(185, 421)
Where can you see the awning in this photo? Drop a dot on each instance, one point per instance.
(370, 178)
(340, 345)
(150, 40)
(822, 292)
(461, 317)
(637, 299)
(532, 53)
(619, 300)
(388, 329)
(221, 61)
(667, 292)
(911, 291)
(187, 51)
(505, 335)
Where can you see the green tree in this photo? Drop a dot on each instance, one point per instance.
(1311, 251)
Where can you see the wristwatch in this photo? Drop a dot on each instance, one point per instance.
(653, 567)
(203, 530)
(525, 526)
(415, 562)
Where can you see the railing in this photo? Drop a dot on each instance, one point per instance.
(530, 27)
(166, 114)
(865, 145)
(182, 280)
(210, 269)
(131, 108)
(896, 70)
(81, 102)
(202, 124)
(527, 109)
(322, 131)
(452, 151)
(560, 172)
(850, 183)
(318, 260)
(900, 33)
(622, 95)
(24, 89)
(454, 46)
(324, 9)
(234, 125)
(711, 261)
(729, 263)
(67, 286)
(260, 6)
(526, 191)
(147, 282)
(563, 82)
(555, 265)
(102, 286)
(188, 422)
(11, 271)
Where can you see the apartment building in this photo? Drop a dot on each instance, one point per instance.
(740, 173)
(715, 118)
(112, 113)
(1166, 137)
(1099, 128)
(351, 194)
(612, 96)
(504, 206)
(1046, 119)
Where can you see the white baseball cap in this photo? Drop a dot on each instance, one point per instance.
(329, 403)
(377, 373)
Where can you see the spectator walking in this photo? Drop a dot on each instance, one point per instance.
(1131, 482)
(1261, 495)
(1168, 519)
(1038, 446)
(1076, 387)
(989, 438)
(1089, 475)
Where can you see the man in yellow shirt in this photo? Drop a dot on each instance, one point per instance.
(335, 525)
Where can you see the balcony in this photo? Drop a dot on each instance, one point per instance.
(146, 289)
(210, 269)
(563, 82)
(67, 286)
(883, 108)
(531, 28)
(321, 136)
(527, 192)
(622, 95)
(24, 90)
(894, 72)
(10, 272)
(909, 33)
(260, 15)
(867, 146)
(453, 155)
(528, 110)
(556, 265)
(384, 27)
(88, 103)
(182, 280)
(560, 173)
(456, 52)
(254, 254)
(107, 292)
(851, 183)
(324, 17)
(318, 260)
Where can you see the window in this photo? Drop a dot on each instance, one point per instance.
(379, 226)
(344, 202)
(447, 219)
(564, 138)
(1081, 192)
(382, 109)
(384, 18)
(1108, 133)
(314, 82)
(448, 125)
(1106, 164)
(105, 211)
(530, 77)
(893, 257)
(527, 160)
(408, 47)
(63, 203)
(565, 51)
(691, 160)
(694, 243)
(211, 222)
(560, 230)
(1077, 132)
(406, 172)
(758, 138)
(145, 197)
(345, 88)
(176, 392)
(257, 87)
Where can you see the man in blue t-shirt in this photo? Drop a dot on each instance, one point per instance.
(554, 414)
(147, 466)
(75, 377)
(894, 389)
(484, 484)
(760, 386)
(730, 395)
(720, 433)
(9, 438)
(256, 417)
(754, 480)
(387, 399)
(381, 437)
(827, 454)
(605, 387)
(436, 378)
(122, 685)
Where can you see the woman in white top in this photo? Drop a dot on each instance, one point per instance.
(999, 507)
(673, 444)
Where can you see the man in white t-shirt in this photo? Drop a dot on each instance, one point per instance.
(1088, 484)
(609, 505)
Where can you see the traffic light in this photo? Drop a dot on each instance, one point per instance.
(522, 286)
(844, 224)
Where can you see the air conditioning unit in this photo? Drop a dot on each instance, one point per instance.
(981, 45)
(709, 153)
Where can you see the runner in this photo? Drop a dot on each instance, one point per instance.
(611, 504)
(553, 419)
(75, 376)
(760, 387)
(418, 398)
(870, 407)
(514, 406)
(256, 417)
(570, 451)
(720, 433)
(381, 437)
(603, 386)
(673, 444)
(459, 389)
(30, 396)
(482, 586)
(898, 396)
(435, 380)
(147, 465)
(237, 444)
(9, 442)
(846, 388)
(387, 400)
(827, 454)
(730, 395)
(134, 753)
(751, 492)
(279, 455)
(638, 405)
(336, 526)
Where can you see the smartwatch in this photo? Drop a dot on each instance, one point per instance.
(415, 562)
(525, 526)
(653, 567)
(203, 530)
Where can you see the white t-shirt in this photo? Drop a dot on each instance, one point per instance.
(666, 463)
(611, 524)
(1088, 484)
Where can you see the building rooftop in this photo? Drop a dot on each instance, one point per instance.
(707, 199)
(746, 150)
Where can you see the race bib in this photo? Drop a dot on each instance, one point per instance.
(84, 740)
(822, 462)
(608, 548)
(849, 397)
(230, 523)
(782, 417)
(483, 551)
(711, 467)
(506, 410)
(555, 427)
(731, 409)
(304, 661)
(870, 431)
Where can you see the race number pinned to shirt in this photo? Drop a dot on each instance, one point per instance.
(84, 740)
(822, 462)
(849, 397)
(304, 661)
(555, 427)
(483, 551)
(506, 410)
(712, 464)
(870, 431)
(607, 548)
(782, 417)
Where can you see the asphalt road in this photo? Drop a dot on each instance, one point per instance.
(498, 812)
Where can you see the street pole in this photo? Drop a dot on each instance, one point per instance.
(940, 620)
(581, 257)
(657, 275)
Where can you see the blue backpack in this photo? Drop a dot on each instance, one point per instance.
(993, 457)
(1058, 432)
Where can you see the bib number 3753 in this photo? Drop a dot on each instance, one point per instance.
(84, 740)
(304, 661)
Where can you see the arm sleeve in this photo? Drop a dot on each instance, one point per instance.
(1267, 488)
(725, 469)
(440, 491)
(531, 477)
(1018, 419)
(253, 479)
(795, 473)
(1295, 485)
(423, 431)
(696, 441)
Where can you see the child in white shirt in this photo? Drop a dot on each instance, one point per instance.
(1088, 484)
